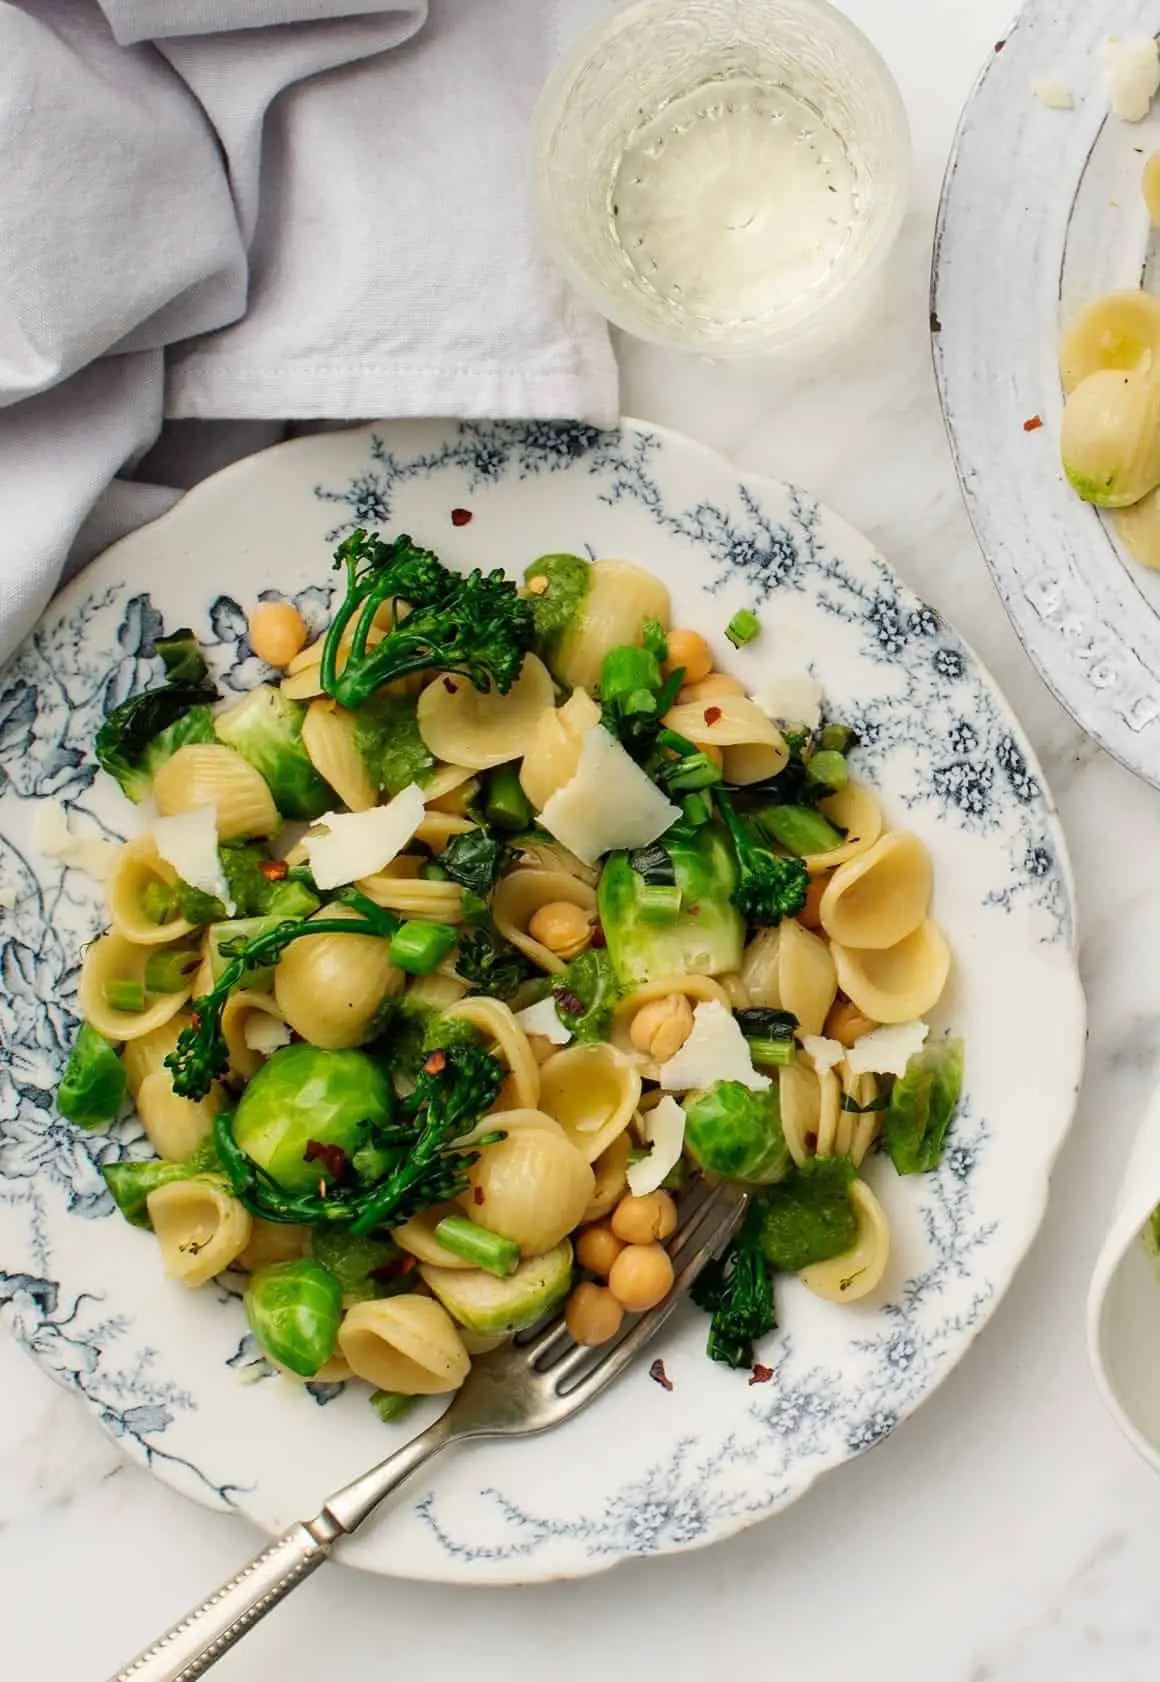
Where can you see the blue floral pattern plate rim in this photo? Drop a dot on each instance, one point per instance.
(173, 1374)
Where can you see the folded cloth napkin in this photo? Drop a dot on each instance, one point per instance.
(258, 210)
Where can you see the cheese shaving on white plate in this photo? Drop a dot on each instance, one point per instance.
(792, 698)
(1131, 75)
(716, 1049)
(51, 835)
(358, 844)
(887, 1051)
(1053, 94)
(265, 1034)
(825, 1054)
(664, 1132)
(543, 1018)
(608, 803)
(189, 842)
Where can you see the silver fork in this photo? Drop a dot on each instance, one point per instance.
(534, 1383)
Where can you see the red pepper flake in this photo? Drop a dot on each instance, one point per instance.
(477, 1195)
(461, 516)
(451, 688)
(273, 869)
(999, 45)
(1033, 424)
(659, 1376)
(598, 937)
(332, 1157)
(712, 714)
(761, 1375)
(436, 1063)
(195, 1022)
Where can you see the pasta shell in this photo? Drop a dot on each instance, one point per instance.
(540, 853)
(521, 893)
(438, 828)
(553, 754)
(592, 1091)
(829, 1113)
(466, 727)
(435, 902)
(242, 1007)
(1109, 438)
(751, 745)
(331, 988)
(208, 774)
(328, 737)
(799, 1098)
(446, 783)
(436, 991)
(147, 1052)
(1138, 528)
(407, 1344)
(856, 811)
(113, 958)
(1120, 330)
(620, 597)
(879, 898)
(859, 1127)
(533, 1187)
(138, 865)
(503, 1034)
(175, 1126)
(611, 1172)
(273, 1241)
(901, 983)
(200, 1227)
(788, 968)
(854, 1274)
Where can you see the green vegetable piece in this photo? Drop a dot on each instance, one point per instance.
(227, 939)
(253, 892)
(159, 902)
(827, 772)
(386, 734)
(635, 696)
(689, 770)
(266, 729)
(303, 1096)
(491, 965)
(768, 887)
(836, 738)
(736, 1134)
(493, 1307)
(743, 627)
(474, 859)
(125, 995)
(294, 1309)
(475, 1244)
(390, 1406)
(556, 607)
(589, 980)
(738, 1292)
(799, 829)
(364, 1267)
(660, 904)
(697, 809)
(505, 805)
(92, 1088)
(811, 1216)
(475, 625)
(652, 636)
(708, 935)
(769, 1034)
(922, 1105)
(170, 969)
(131, 1182)
(146, 730)
(291, 899)
(420, 947)
(182, 657)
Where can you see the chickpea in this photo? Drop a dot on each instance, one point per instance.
(642, 1276)
(661, 1027)
(716, 684)
(597, 1247)
(690, 650)
(641, 1220)
(592, 1314)
(564, 929)
(810, 913)
(538, 585)
(846, 1023)
(277, 632)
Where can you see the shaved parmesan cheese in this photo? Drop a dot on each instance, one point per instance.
(1131, 75)
(664, 1132)
(1054, 95)
(825, 1054)
(792, 698)
(189, 842)
(715, 1050)
(543, 1018)
(7, 899)
(358, 844)
(51, 835)
(887, 1051)
(265, 1034)
(609, 803)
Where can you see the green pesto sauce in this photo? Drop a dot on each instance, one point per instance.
(554, 610)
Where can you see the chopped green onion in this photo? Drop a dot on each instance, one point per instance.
(743, 627)
(837, 738)
(692, 770)
(777, 1054)
(433, 871)
(478, 1246)
(125, 995)
(170, 969)
(475, 907)
(159, 902)
(505, 804)
(658, 903)
(390, 1406)
(799, 829)
(697, 809)
(828, 769)
(419, 947)
(292, 899)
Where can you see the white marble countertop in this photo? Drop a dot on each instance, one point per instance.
(1005, 1533)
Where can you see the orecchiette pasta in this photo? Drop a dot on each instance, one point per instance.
(619, 596)
(328, 737)
(330, 988)
(592, 1091)
(1120, 330)
(408, 1345)
(207, 774)
(799, 1098)
(200, 1227)
(440, 902)
(239, 1014)
(751, 745)
(532, 1187)
(147, 1052)
(493, 1019)
(466, 727)
(112, 959)
(900, 984)
(611, 1174)
(858, 814)
(138, 865)
(858, 1271)
(519, 896)
(176, 1126)
(878, 898)
(788, 968)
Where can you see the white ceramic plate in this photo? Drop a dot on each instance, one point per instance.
(1041, 211)
(172, 1373)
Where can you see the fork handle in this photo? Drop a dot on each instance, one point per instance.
(198, 1640)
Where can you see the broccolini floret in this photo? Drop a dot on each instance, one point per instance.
(768, 887)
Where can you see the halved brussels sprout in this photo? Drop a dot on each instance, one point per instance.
(484, 1303)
